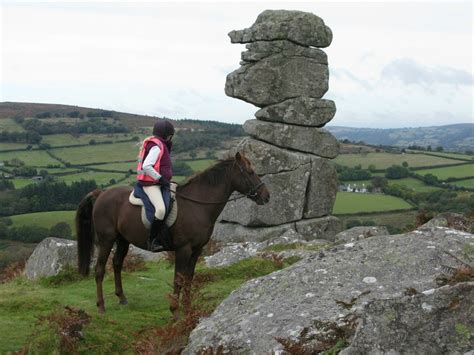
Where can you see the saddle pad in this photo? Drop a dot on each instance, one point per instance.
(171, 215)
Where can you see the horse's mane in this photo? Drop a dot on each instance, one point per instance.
(212, 175)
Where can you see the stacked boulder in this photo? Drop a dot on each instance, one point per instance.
(285, 75)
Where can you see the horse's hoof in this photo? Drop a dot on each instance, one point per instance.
(123, 302)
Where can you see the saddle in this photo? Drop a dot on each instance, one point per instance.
(171, 213)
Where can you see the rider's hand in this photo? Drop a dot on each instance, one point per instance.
(164, 181)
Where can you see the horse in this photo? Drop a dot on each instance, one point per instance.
(107, 217)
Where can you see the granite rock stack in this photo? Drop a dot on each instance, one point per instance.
(284, 72)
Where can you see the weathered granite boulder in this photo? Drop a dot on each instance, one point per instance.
(322, 188)
(145, 254)
(357, 233)
(277, 78)
(269, 159)
(303, 111)
(300, 27)
(50, 257)
(319, 228)
(450, 220)
(233, 232)
(260, 50)
(288, 191)
(438, 321)
(234, 252)
(317, 141)
(329, 287)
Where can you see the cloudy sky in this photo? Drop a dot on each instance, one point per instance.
(392, 64)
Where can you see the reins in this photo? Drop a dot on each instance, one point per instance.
(251, 194)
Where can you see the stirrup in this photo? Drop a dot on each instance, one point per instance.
(154, 246)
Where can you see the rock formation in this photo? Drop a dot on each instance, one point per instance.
(285, 75)
(398, 293)
(52, 255)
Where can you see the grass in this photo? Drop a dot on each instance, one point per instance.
(353, 203)
(67, 139)
(9, 125)
(417, 185)
(22, 182)
(397, 220)
(117, 166)
(459, 171)
(385, 160)
(10, 146)
(99, 177)
(31, 158)
(464, 183)
(201, 164)
(450, 155)
(23, 302)
(98, 153)
(44, 219)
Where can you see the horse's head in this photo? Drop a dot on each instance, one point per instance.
(247, 182)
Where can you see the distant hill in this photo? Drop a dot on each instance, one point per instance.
(133, 121)
(458, 137)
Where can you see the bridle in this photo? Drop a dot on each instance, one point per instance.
(252, 193)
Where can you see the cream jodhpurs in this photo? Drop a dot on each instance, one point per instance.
(154, 194)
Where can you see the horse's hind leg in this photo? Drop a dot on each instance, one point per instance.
(120, 254)
(103, 255)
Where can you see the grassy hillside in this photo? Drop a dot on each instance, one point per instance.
(30, 311)
(355, 203)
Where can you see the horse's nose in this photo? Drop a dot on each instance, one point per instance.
(265, 195)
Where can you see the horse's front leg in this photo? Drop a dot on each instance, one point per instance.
(189, 279)
(183, 256)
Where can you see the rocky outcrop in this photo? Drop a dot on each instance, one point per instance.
(302, 111)
(358, 233)
(437, 321)
(315, 228)
(315, 141)
(283, 73)
(338, 286)
(300, 27)
(50, 257)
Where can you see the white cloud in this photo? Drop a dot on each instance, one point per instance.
(172, 58)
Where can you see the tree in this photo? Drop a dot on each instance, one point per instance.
(193, 155)
(372, 168)
(397, 172)
(405, 164)
(61, 230)
(379, 182)
(439, 149)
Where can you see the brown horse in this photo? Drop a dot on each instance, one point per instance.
(110, 216)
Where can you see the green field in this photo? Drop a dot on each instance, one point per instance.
(98, 153)
(30, 158)
(400, 220)
(67, 139)
(417, 185)
(454, 172)
(22, 182)
(116, 166)
(23, 302)
(9, 125)
(201, 164)
(452, 155)
(99, 177)
(353, 203)
(12, 146)
(464, 183)
(44, 219)
(385, 160)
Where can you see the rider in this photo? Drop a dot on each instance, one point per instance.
(154, 172)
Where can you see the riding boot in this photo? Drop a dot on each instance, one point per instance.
(154, 243)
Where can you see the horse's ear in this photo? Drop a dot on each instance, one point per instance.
(238, 156)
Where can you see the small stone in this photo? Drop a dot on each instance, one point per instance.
(369, 280)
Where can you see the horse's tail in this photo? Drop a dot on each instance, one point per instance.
(85, 232)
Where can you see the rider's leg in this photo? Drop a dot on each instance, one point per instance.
(154, 194)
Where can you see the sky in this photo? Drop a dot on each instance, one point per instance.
(392, 64)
